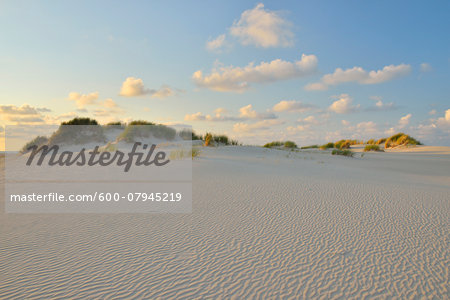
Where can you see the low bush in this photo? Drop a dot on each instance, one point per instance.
(273, 144)
(310, 147)
(342, 152)
(290, 144)
(372, 148)
(326, 146)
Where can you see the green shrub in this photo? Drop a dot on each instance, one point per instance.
(220, 139)
(372, 148)
(290, 144)
(273, 144)
(326, 146)
(310, 147)
(342, 152)
(371, 142)
(80, 121)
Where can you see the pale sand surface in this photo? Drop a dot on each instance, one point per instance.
(265, 224)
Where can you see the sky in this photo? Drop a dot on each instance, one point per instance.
(307, 71)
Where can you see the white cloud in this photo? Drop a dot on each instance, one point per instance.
(134, 87)
(247, 112)
(404, 121)
(367, 127)
(361, 76)
(345, 122)
(310, 120)
(380, 105)
(262, 28)
(343, 105)
(21, 110)
(82, 100)
(432, 112)
(260, 125)
(291, 106)
(425, 67)
(216, 44)
(238, 79)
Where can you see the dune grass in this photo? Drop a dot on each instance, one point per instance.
(310, 147)
(144, 129)
(179, 154)
(400, 139)
(373, 147)
(345, 152)
(326, 146)
(381, 141)
(273, 144)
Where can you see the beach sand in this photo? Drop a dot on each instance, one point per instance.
(265, 223)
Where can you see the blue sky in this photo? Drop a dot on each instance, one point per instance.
(113, 60)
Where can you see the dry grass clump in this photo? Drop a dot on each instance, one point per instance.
(345, 152)
(179, 154)
(400, 139)
(373, 148)
(219, 139)
(381, 141)
(371, 142)
(286, 144)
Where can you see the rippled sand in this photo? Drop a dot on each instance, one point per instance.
(265, 224)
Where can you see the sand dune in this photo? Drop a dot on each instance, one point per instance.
(265, 224)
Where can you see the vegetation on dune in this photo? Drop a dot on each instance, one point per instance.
(189, 134)
(89, 131)
(37, 141)
(400, 139)
(326, 146)
(371, 142)
(345, 152)
(184, 153)
(81, 121)
(144, 129)
(381, 141)
(273, 144)
(290, 144)
(208, 138)
(373, 147)
(286, 144)
(310, 147)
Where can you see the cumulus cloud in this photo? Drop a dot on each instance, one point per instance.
(432, 112)
(82, 100)
(262, 28)
(343, 105)
(260, 125)
(404, 121)
(309, 120)
(22, 110)
(216, 44)
(245, 113)
(291, 106)
(238, 79)
(134, 87)
(380, 105)
(361, 76)
(425, 67)
(367, 127)
(24, 114)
